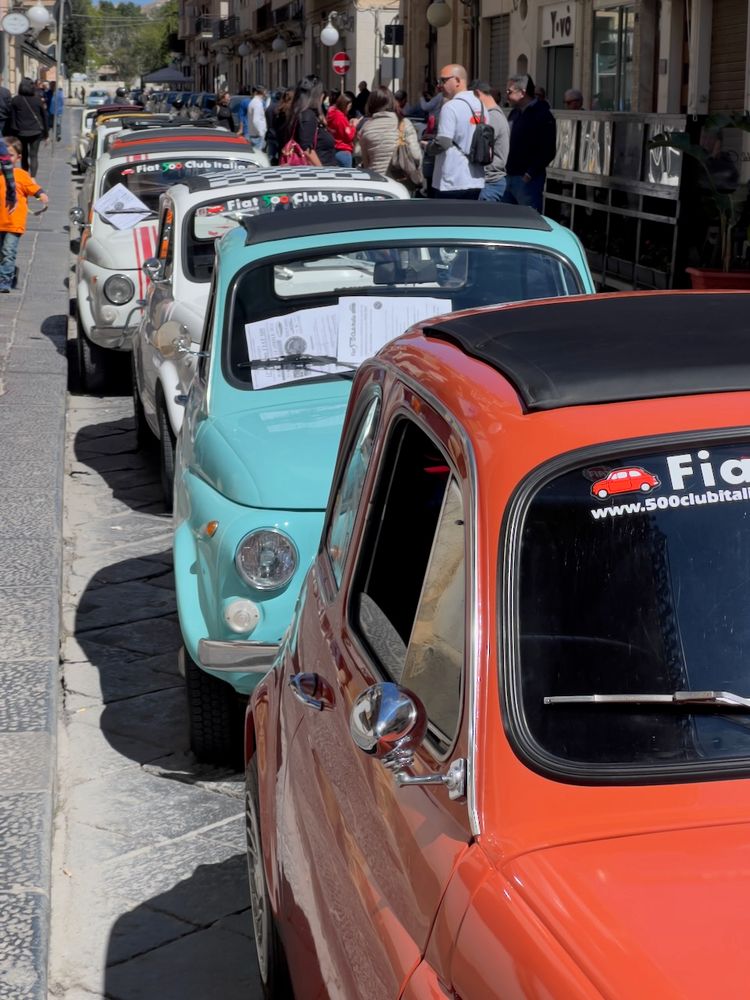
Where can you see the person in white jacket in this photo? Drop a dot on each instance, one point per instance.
(253, 118)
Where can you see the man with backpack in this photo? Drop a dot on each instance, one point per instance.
(462, 129)
(533, 136)
(494, 172)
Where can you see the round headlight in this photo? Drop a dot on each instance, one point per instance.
(119, 289)
(266, 559)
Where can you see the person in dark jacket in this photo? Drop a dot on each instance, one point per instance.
(28, 121)
(5, 100)
(224, 116)
(533, 136)
(307, 123)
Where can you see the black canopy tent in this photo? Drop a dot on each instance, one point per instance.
(169, 74)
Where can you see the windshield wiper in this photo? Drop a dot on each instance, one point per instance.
(299, 361)
(722, 699)
(131, 211)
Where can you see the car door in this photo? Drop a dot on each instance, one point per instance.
(159, 304)
(364, 862)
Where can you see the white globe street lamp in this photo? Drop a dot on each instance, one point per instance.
(39, 17)
(329, 36)
(202, 59)
(439, 13)
(279, 42)
(243, 49)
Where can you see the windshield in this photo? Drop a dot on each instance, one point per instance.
(633, 582)
(149, 178)
(207, 223)
(349, 304)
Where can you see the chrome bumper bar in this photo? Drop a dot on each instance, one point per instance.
(241, 657)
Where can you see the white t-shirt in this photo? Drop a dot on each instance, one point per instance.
(453, 171)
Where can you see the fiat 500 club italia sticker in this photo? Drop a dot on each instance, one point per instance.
(695, 479)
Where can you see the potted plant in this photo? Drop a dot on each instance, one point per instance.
(727, 200)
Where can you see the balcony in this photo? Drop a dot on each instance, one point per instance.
(227, 28)
(288, 12)
(204, 26)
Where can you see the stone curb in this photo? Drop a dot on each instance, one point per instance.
(33, 382)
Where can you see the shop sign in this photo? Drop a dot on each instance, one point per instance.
(558, 22)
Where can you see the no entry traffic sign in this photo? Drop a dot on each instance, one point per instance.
(341, 63)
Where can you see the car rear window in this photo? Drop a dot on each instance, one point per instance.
(207, 223)
(349, 302)
(632, 604)
(147, 179)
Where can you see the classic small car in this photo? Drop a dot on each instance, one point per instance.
(193, 215)
(298, 300)
(504, 750)
(111, 284)
(628, 480)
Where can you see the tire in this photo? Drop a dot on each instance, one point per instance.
(645, 488)
(167, 443)
(93, 364)
(215, 716)
(272, 966)
(143, 436)
(602, 494)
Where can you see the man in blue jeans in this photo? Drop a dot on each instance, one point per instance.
(533, 137)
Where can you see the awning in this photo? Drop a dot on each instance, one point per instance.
(167, 75)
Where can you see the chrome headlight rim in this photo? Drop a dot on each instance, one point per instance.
(114, 298)
(266, 585)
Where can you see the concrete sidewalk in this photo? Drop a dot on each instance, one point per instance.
(33, 381)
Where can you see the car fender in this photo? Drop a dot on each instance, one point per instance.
(83, 303)
(167, 387)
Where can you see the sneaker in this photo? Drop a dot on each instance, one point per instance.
(4, 288)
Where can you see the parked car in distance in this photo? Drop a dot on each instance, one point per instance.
(298, 300)
(96, 98)
(503, 752)
(193, 215)
(111, 284)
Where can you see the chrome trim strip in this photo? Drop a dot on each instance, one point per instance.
(242, 656)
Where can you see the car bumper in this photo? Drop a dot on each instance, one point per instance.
(240, 656)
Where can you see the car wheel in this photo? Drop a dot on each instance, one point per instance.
(216, 716)
(274, 974)
(645, 488)
(602, 494)
(143, 435)
(167, 443)
(92, 364)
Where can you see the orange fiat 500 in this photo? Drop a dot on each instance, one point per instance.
(504, 751)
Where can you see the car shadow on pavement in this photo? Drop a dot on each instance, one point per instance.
(55, 328)
(190, 942)
(109, 450)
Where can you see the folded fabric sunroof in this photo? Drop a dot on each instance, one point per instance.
(612, 348)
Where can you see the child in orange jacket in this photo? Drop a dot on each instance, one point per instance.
(13, 221)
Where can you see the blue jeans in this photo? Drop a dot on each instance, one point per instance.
(494, 191)
(255, 141)
(520, 192)
(343, 158)
(8, 250)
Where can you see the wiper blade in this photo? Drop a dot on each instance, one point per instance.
(722, 699)
(295, 361)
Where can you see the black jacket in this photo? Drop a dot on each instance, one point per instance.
(28, 117)
(533, 134)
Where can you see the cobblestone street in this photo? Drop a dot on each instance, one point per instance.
(149, 881)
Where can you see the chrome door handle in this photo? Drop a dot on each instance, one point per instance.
(312, 691)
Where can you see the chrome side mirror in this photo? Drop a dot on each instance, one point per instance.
(77, 217)
(169, 338)
(152, 268)
(389, 722)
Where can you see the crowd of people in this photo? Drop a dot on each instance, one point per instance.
(374, 129)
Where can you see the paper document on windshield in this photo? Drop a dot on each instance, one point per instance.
(312, 331)
(119, 199)
(368, 322)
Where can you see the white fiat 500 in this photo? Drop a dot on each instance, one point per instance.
(193, 215)
(117, 214)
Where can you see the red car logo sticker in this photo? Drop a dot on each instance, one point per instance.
(628, 479)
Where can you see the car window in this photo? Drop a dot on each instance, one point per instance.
(407, 599)
(632, 587)
(148, 179)
(349, 489)
(165, 242)
(347, 303)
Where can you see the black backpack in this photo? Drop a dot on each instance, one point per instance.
(482, 148)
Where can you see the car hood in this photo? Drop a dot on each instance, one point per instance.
(121, 249)
(659, 914)
(279, 457)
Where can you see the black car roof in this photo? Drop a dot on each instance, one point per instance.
(263, 176)
(387, 214)
(612, 348)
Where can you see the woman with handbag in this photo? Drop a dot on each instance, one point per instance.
(388, 143)
(28, 121)
(307, 134)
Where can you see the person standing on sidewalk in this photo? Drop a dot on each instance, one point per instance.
(455, 175)
(533, 136)
(342, 130)
(253, 118)
(13, 222)
(494, 173)
(5, 99)
(28, 121)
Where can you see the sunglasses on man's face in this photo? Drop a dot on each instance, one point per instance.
(445, 79)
